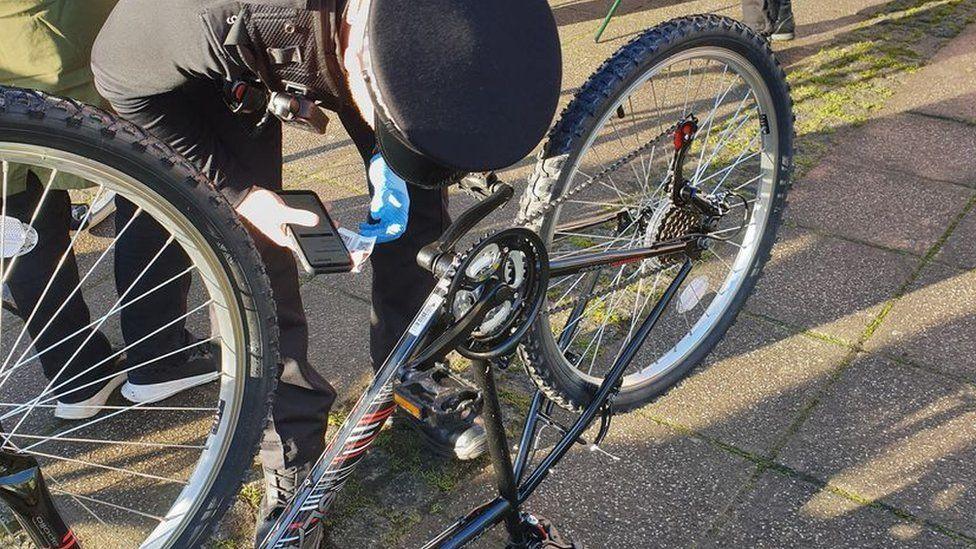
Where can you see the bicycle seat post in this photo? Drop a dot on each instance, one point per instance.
(501, 461)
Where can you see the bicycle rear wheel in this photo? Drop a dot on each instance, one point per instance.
(152, 473)
(603, 185)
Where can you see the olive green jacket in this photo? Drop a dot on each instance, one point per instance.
(46, 45)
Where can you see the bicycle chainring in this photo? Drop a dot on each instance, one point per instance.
(514, 257)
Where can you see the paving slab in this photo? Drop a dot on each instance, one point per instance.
(826, 284)
(785, 512)
(752, 386)
(891, 209)
(664, 492)
(946, 86)
(959, 249)
(934, 323)
(897, 434)
(915, 145)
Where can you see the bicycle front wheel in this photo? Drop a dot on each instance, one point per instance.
(166, 293)
(604, 184)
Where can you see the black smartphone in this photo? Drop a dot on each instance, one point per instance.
(322, 249)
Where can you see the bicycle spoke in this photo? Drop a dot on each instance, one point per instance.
(107, 504)
(95, 329)
(97, 419)
(37, 400)
(108, 407)
(108, 441)
(112, 311)
(4, 198)
(104, 467)
(33, 217)
(50, 283)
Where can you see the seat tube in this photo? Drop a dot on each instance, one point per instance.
(498, 449)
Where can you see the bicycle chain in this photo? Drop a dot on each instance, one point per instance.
(604, 173)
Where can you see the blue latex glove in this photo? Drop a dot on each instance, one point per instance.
(390, 204)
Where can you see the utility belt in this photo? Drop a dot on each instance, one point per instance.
(293, 56)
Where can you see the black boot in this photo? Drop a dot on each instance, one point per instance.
(279, 487)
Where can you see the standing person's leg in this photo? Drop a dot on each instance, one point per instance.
(399, 284)
(178, 98)
(295, 434)
(145, 259)
(62, 355)
(784, 27)
(772, 18)
(755, 14)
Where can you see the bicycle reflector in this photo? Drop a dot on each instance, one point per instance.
(17, 238)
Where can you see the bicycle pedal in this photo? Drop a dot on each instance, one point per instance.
(433, 391)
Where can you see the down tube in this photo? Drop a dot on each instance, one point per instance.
(357, 433)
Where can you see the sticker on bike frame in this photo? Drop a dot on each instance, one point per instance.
(693, 293)
(426, 313)
(18, 238)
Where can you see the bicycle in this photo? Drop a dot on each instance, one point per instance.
(668, 236)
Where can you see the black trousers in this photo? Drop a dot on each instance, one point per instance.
(56, 309)
(29, 282)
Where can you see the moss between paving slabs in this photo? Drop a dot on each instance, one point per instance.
(842, 85)
(861, 71)
(846, 83)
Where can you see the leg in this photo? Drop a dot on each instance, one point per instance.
(143, 240)
(225, 147)
(30, 277)
(399, 284)
(784, 26)
(755, 14)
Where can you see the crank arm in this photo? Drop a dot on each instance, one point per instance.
(462, 329)
(437, 256)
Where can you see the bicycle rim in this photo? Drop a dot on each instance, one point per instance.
(135, 473)
(608, 319)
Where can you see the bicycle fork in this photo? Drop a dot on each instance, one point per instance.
(23, 488)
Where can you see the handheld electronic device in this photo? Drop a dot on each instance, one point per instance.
(322, 249)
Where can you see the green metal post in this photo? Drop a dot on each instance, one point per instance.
(606, 20)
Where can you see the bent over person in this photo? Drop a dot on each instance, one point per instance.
(447, 86)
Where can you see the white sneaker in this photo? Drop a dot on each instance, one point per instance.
(160, 391)
(92, 405)
(156, 382)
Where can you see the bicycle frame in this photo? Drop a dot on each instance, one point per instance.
(515, 484)
(21, 481)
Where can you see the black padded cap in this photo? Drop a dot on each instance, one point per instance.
(471, 84)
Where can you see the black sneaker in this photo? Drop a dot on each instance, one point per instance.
(279, 488)
(464, 442)
(153, 382)
(87, 401)
(784, 26)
